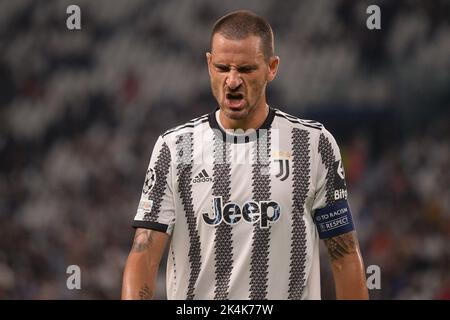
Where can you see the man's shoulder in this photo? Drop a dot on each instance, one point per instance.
(318, 134)
(289, 120)
(186, 127)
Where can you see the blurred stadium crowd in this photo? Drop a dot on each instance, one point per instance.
(80, 111)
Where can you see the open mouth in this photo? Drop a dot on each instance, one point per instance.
(235, 100)
(235, 96)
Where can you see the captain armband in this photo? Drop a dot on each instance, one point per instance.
(334, 220)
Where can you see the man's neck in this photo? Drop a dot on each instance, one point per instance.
(254, 120)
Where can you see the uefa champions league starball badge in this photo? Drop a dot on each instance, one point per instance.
(150, 179)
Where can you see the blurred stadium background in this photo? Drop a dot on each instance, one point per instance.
(80, 111)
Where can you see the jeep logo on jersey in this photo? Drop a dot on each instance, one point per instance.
(263, 211)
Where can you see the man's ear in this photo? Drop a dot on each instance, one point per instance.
(208, 61)
(274, 62)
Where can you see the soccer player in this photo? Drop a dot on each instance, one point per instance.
(242, 195)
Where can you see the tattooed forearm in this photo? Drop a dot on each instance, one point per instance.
(341, 245)
(142, 240)
(145, 293)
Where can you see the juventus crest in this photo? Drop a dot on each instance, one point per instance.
(283, 170)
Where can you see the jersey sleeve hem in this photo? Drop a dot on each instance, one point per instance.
(150, 225)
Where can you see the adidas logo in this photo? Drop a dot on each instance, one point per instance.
(202, 177)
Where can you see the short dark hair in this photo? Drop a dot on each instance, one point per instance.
(241, 24)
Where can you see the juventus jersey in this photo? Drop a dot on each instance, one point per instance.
(242, 207)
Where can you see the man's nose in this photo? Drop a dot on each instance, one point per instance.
(233, 80)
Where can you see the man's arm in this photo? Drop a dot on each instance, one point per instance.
(141, 269)
(348, 267)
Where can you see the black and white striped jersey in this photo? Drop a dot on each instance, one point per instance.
(241, 208)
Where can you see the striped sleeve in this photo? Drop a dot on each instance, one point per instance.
(156, 206)
(331, 210)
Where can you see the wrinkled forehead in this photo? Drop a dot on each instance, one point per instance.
(243, 51)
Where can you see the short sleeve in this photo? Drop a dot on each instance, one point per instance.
(331, 210)
(156, 208)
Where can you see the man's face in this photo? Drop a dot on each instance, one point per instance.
(239, 75)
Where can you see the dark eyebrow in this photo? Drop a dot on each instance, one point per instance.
(244, 68)
(221, 66)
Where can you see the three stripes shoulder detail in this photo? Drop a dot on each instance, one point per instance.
(307, 123)
(191, 124)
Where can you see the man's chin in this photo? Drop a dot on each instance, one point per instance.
(235, 114)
